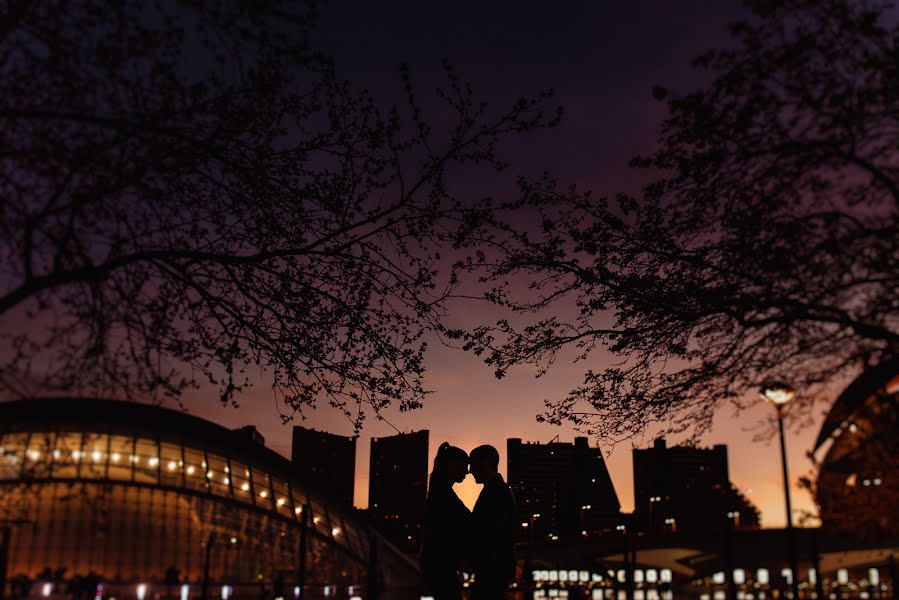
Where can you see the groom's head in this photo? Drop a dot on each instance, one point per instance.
(483, 463)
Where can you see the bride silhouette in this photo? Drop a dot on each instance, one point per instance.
(447, 521)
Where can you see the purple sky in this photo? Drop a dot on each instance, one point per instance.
(602, 59)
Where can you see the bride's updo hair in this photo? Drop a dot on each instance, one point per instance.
(446, 453)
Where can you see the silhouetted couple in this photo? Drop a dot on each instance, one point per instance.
(456, 538)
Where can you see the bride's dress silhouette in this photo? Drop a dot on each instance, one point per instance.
(447, 522)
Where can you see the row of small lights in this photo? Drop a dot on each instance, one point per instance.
(853, 479)
(651, 576)
(763, 576)
(574, 576)
(97, 456)
(226, 591)
(606, 594)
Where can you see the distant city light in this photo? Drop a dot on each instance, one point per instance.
(46, 589)
(141, 591)
(185, 591)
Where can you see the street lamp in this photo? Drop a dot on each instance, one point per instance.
(779, 394)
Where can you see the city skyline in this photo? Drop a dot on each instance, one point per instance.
(753, 465)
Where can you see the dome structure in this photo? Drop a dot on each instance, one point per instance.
(127, 493)
(857, 486)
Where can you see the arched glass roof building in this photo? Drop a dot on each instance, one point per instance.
(130, 493)
(857, 487)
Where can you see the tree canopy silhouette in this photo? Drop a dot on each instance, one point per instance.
(766, 247)
(190, 194)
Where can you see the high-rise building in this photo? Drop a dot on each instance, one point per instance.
(684, 488)
(398, 487)
(561, 489)
(326, 462)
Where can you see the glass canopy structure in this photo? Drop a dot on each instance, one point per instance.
(133, 493)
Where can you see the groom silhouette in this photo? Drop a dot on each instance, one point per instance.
(493, 527)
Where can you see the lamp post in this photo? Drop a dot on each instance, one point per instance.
(778, 395)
